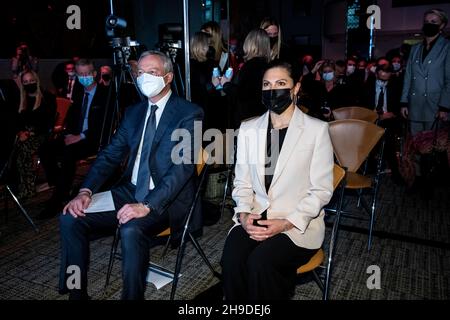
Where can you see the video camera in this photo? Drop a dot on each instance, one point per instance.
(171, 39)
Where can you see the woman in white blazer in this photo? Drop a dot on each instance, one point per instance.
(283, 178)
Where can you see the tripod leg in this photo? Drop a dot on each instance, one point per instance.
(22, 209)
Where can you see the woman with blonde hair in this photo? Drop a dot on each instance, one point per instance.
(246, 87)
(203, 91)
(279, 49)
(221, 54)
(36, 116)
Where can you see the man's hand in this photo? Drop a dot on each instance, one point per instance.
(387, 115)
(404, 112)
(23, 135)
(71, 139)
(442, 115)
(77, 205)
(132, 211)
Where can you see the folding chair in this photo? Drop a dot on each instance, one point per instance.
(359, 113)
(201, 170)
(62, 105)
(353, 140)
(317, 260)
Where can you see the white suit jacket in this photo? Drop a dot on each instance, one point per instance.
(302, 182)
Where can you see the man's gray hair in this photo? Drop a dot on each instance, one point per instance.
(167, 63)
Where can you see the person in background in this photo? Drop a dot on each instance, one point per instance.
(221, 54)
(351, 67)
(279, 217)
(87, 130)
(64, 81)
(382, 95)
(203, 92)
(36, 117)
(105, 75)
(279, 49)
(426, 87)
(245, 90)
(23, 61)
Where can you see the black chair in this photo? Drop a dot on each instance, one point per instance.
(201, 170)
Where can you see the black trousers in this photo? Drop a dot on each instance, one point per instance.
(261, 270)
(76, 233)
(393, 128)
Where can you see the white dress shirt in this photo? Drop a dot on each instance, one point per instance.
(381, 84)
(161, 105)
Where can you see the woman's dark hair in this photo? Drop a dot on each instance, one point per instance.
(293, 73)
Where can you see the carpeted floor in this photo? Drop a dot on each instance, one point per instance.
(411, 247)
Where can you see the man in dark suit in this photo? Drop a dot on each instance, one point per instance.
(85, 131)
(382, 94)
(154, 192)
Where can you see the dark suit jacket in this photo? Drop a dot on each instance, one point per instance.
(97, 111)
(174, 183)
(393, 90)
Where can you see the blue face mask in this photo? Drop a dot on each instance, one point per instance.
(328, 76)
(86, 81)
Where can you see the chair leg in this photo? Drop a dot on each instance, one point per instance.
(166, 247)
(112, 255)
(178, 266)
(202, 254)
(317, 280)
(375, 194)
(225, 192)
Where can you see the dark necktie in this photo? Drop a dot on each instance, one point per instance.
(143, 178)
(84, 107)
(380, 102)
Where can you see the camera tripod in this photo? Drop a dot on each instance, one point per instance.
(4, 180)
(121, 75)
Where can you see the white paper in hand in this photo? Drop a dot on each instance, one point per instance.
(101, 202)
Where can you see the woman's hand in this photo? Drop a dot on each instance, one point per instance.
(274, 226)
(215, 81)
(317, 66)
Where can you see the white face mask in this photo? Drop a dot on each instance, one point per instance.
(396, 66)
(150, 85)
(328, 76)
(350, 69)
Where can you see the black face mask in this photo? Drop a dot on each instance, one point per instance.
(30, 88)
(211, 53)
(277, 100)
(430, 29)
(273, 41)
(106, 77)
